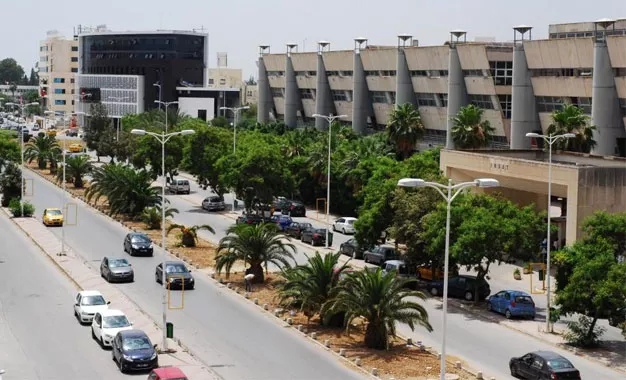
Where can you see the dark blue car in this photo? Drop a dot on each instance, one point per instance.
(282, 221)
(512, 303)
(132, 350)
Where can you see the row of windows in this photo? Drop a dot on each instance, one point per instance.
(549, 103)
(346, 73)
(307, 93)
(59, 102)
(342, 95)
(505, 105)
(617, 32)
(140, 43)
(586, 72)
(131, 70)
(59, 91)
(502, 72)
(429, 73)
(59, 80)
(145, 55)
(277, 92)
(481, 101)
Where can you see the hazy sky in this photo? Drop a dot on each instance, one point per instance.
(239, 26)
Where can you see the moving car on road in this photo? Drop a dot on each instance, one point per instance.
(52, 217)
(133, 350)
(106, 324)
(178, 186)
(295, 229)
(462, 286)
(543, 365)
(345, 225)
(295, 209)
(75, 148)
(380, 254)
(167, 373)
(314, 236)
(351, 248)
(87, 304)
(116, 269)
(177, 275)
(214, 203)
(249, 219)
(512, 303)
(136, 243)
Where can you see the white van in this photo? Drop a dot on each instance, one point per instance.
(179, 186)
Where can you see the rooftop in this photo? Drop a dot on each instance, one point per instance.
(580, 160)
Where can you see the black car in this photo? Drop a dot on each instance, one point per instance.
(136, 243)
(295, 208)
(295, 229)
(116, 269)
(462, 287)
(380, 254)
(543, 365)
(133, 350)
(281, 203)
(249, 219)
(177, 275)
(352, 249)
(314, 236)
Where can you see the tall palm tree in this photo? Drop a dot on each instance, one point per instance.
(255, 245)
(294, 144)
(42, 148)
(469, 130)
(404, 128)
(572, 119)
(189, 235)
(309, 286)
(152, 216)
(380, 298)
(75, 170)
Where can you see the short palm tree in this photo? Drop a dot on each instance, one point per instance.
(469, 130)
(75, 170)
(572, 119)
(42, 148)
(404, 128)
(381, 299)
(254, 245)
(189, 235)
(152, 216)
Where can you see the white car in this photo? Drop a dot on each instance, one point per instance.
(106, 324)
(345, 225)
(87, 304)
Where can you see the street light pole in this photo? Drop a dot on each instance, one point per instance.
(163, 138)
(165, 104)
(451, 192)
(330, 119)
(549, 139)
(235, 111)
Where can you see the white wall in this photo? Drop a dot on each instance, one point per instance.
(190, 106)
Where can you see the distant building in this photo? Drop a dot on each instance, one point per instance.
(58, 66)
(5, 89)
(224, 77)
(250, 94)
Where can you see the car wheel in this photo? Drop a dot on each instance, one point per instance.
(434, 291)
(121, 365)
(101, 342)
(113, 355)
(513, 369)
(366, 258)
(93, 335)
(532, 317)
(343, 231)
(469, 296)
(192, 287)
(334, 228)
(418, 275)
(124, 245)
(507, 314)
(109, 277)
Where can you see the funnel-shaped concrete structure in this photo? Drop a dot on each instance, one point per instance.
(324, 104)
(265, 103)
(292, 94)
(457, 92)
(361, 105)
(404, 85)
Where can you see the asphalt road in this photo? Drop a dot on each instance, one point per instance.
(222, 330)
(39, 337)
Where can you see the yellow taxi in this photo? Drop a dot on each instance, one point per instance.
(52, 217)
(52, 132)
(75, 148)
(425, 272)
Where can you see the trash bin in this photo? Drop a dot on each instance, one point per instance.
(169, 327)
(330, 238)
(541, 275)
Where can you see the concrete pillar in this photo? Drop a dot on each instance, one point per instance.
(265, 101)
(324, 104)
(404, 85)
(524, 116)
(457, 93)
(292, 94)
(605, 107)
(360, 94)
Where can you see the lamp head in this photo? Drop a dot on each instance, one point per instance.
(569, 136)
(245, 108)
(314, 115)
(187, 132)
(223, 108)
(533, 134)
(139, 132)
(10, 104)
(411, 182)
(487, 182)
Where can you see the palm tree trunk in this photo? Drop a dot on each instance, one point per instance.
(376, 336)
(188, 239)
(257, 270)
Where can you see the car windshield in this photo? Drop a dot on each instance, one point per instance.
(136, 343)
(115, 322)
(53, 212)
(285, 218)
(118, 263)
(320, 231)
(559, 364)
(524, 299)
(140, 239)
(93, 301)
(215, 199)
(176, 269)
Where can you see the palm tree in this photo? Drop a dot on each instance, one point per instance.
(75, 169)
(379, 298)
(294, 144)
(404, 128)
(308, 286)
(152, 216)
(42, 148)
(189, 235)
(10, 180)
(470, 131)
(254, 244)
(572, 119)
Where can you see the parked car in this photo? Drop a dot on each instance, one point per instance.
(116, 269)
(282, 221)
(425, 272)
(314, 236)
(462, 286)
(281, 203)
(214, 203)
(52, 132)
(106, 324)
(351, 248)
(249, 219)
(543, 365)
(177, 275)
(380, 254)
(295, 229)
(87, 304)
(133, 350)
(512, 303)
(295, 209)
(345, 225)
(136, 243)
(167, 373)
(52, 217)
(75, 148)
(399, 266)
(179, 186)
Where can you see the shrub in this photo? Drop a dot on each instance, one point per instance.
(16, 208)
(580, 335)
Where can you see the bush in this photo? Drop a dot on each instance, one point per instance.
(580, 335)
(16, 208)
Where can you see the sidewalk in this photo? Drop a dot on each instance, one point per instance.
(76, 270)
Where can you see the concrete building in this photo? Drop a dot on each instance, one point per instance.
(224, 77)
(250, 94)
(20, 90)
(58, 66)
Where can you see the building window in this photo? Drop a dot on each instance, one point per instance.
(622, 103)
(388, 73)
(437, 73)
(74, 69)
(378, 97)
(549, 103)
(584, 103)
(74, 48)
(346, 73)
(443, 99)
(277, 92)
(620, 71)
(372, 73)
(505, 105)
(502, 72)
(339, 95)
(419, 73)
(300, 73)
(425, 99)
(59, 102)
(275, 73)
(74, 59)
(562, 72)
(481, 101)
(332, 73)
(43, 48)
(222, 82)
(211, 81)
(59, 91)
(473, 73)
(59, 80)
(305, 93)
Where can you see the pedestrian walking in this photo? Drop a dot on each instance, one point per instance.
(247, 279)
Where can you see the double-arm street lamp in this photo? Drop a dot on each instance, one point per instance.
(163, 138)
(550, 140)
(330, 119)
(235, 111)
(165, 104)
(451, 191)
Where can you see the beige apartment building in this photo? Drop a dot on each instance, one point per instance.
(223, 77)
(58, 66)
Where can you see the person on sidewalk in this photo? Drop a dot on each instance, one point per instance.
(247, 279)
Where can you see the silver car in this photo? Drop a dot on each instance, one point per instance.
(178, 186)
(214, 203)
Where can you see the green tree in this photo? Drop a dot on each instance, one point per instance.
(469, 130)
(151, 216)
(10, 180)
(10, 71)
(9, 150)
(405, 128)
(572, 119)
(220, 121)
(255, 245)
(381, 299)
(99, 123)
(76, 168)
(44, 149)
(189, 235)
(33, 80)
